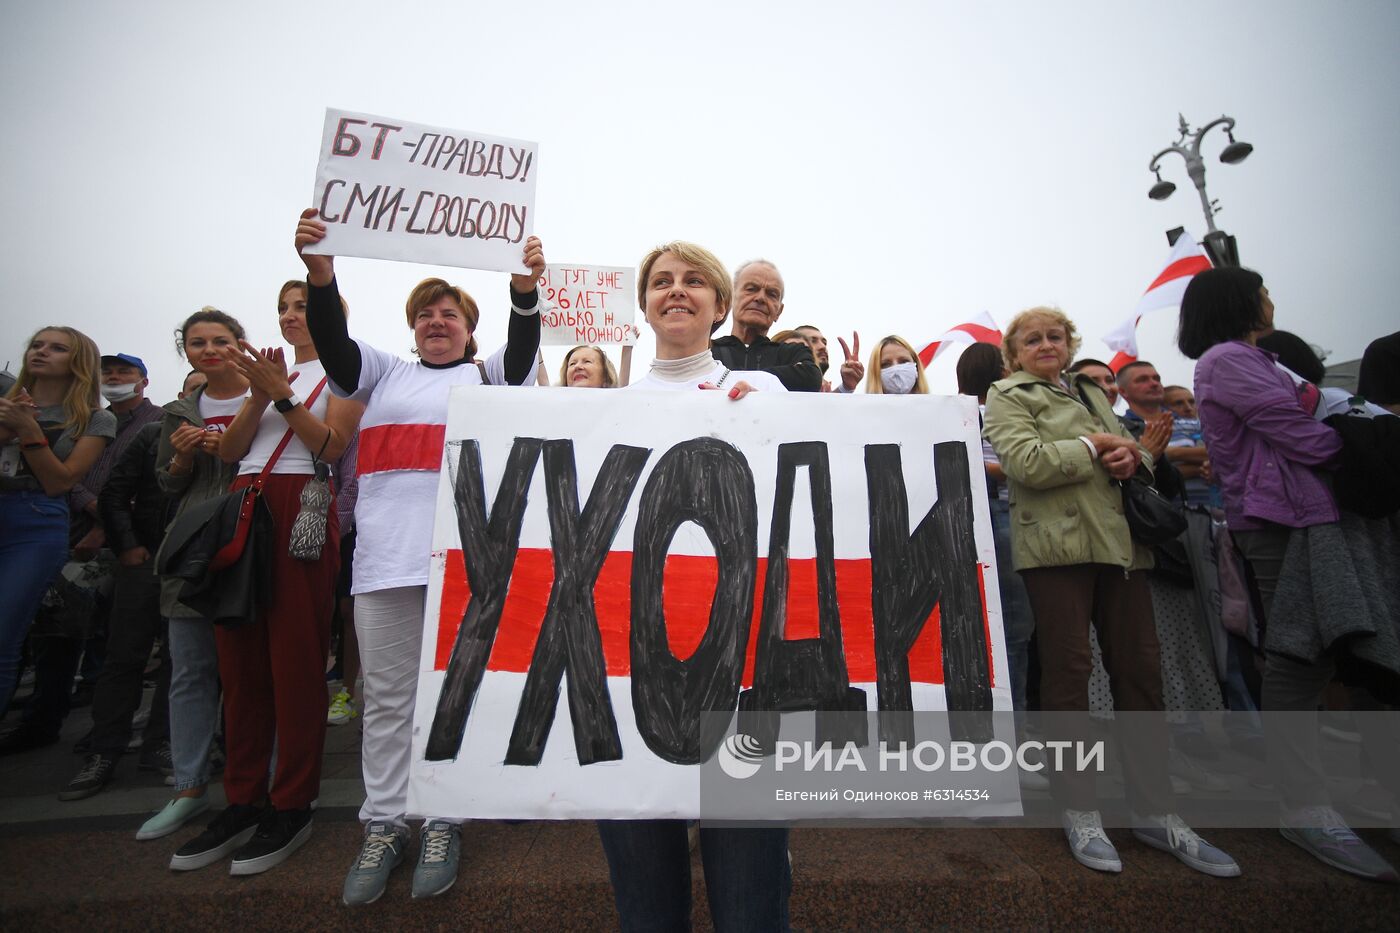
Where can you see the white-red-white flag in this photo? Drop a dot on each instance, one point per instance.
(981, 329)
(1185, 261)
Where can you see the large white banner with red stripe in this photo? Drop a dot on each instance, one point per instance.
(611, 566)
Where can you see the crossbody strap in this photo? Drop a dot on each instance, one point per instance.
(286, 438)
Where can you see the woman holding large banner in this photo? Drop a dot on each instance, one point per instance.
(401, 438)
(1061, 447)
(685, 293)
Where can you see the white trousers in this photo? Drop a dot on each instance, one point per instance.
(390, 626)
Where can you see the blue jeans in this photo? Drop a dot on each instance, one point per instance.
(194, 699)
(1017, 620)
(747, 876)
(33, 547)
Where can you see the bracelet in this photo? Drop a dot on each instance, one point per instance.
(40, 444)
(172, 465)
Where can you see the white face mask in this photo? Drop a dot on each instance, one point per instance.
(120, 393)
(899, 378)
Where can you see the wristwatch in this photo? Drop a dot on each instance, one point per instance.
(287, 404)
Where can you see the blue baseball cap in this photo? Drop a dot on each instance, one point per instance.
(126, 358)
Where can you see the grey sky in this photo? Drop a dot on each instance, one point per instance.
(905, 164)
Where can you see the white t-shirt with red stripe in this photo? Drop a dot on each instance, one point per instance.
(218, 413)
(401, 437)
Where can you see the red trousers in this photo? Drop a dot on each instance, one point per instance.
(274, 669)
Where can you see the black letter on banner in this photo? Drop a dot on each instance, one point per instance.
(808, 673)
(707, 482)
(488, 551)
(342, 133)
(569, 638)
(910, 574)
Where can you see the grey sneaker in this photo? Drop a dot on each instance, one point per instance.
(1321, 832)
(438, 858)
(1171, 834)
(380, 854)
(1088, 842)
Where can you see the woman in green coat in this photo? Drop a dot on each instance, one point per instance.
(1061, 448)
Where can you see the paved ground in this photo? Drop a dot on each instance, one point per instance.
(77, 866)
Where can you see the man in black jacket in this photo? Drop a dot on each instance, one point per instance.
(134, 513)
(758, 300)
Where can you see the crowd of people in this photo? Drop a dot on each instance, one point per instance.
(113, 545)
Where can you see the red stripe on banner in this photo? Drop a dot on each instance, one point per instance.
(401, 447)
(1120, 359)
(927, 353)
(1186, 266)
(687, 592)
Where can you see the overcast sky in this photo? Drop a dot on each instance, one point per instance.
(906, 165)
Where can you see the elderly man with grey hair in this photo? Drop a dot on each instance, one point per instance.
(758, 301)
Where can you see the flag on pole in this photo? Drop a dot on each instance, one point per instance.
(1185, 261)
(981, 329)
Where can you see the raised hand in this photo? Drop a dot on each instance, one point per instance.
(853, 370)
(319, 269)
(534, 258)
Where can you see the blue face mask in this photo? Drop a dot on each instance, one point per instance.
(899, 379)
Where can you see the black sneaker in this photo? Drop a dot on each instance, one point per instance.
(280, 833)
(157, 759)
(25, 739)
(225, 832)
(96, 773)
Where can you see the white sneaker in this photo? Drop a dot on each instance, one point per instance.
(1171, 834)
(1088, 843)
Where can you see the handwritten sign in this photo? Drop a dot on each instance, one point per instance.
(611, 569)
(588, 304)
(391, 189)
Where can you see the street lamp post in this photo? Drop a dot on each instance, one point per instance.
(1219, 244)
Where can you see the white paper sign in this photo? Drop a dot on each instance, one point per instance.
(588, 305)
(390, 189)
(617, 543)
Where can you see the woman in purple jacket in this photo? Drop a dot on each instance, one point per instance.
(1271, 456)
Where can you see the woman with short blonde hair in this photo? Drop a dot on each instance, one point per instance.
(1061, 449)
(588, 367)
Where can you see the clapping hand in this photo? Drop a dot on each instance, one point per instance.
(265, 370)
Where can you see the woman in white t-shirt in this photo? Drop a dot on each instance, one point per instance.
(686, 292)
(189, 471)
(273, 666)
(400, 453)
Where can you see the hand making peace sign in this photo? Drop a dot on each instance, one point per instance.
(853, 370)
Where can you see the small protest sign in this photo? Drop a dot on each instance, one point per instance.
(588, 305)
(391, 189)
(616, 574)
